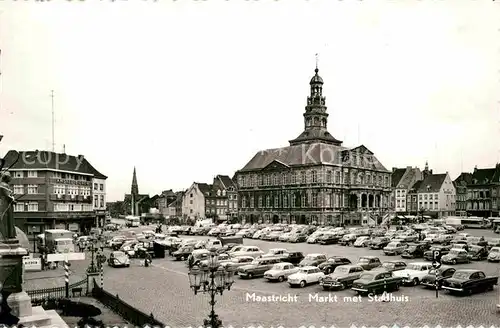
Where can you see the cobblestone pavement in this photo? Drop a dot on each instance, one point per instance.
(164, 291)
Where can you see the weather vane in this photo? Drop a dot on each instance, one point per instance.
(317, 59)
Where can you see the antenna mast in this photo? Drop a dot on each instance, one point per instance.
(52, 106)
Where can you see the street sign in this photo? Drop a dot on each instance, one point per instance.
(60, 257)
(436, 265)
(436, 255)
(32, 264)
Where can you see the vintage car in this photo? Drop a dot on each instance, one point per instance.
(183, 253)
(394, 248)
(348, 240)
(408, 237)
(376, 282)
(292, 257)
(118, 259)
(332, 263)
(456, 256)
(478, 253)
(362, 241)
(392, 266)
(285, 236)
(221, 258)
(275, 252)
(280, 271)
(443, 250)
(237, 262)
(342, 277)
(379, 242)
(480, 241)
(369, 262)
(297, 238)
(313, 260)
(272, 236)
(329, 238)
(437, 275)
(444, 239)
(312, 239)
(414, 273)
(252, 251)
(468, 281)
(413, 251)
(494, 254)
(258, 267)
(305, 276)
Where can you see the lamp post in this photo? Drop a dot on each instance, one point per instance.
(93, 248)
(212, 281)
(34, 239)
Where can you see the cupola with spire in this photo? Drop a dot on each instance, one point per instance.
(315, 116)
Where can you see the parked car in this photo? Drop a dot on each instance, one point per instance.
(379, 242)
(221, 258)
(305, 276)
(362, 241)
(332, 263)
(444, 272)
(444, 239)
(298, 238)
(313, 260)
(394, 248)
(258, 267)
(237, 262)
(478, 253)
(285, 236)
(292, 257)
(376, 282)
(392, 266)
(413, 251)
(456, 256)
(183, 253)
(468, 281)
(252, 251)
(329, 238)
(494, 254)
(342, 277)
(118, 259)
(280, 271)
(273, 252)
(369, 262)
(429, 255)
(312, 239)
(348, 239)
(414, 273)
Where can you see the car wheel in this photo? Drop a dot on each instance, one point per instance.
(302, 284)
(281, 278)
(396, 287)
(343, 286)
(490, 288)
(454, 262)
(250, 275)
(415, 282)
(127, 266)
(326, 288)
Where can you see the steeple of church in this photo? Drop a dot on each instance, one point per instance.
(315, 116)
(135, 186)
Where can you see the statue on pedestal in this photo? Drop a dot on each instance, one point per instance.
(7, 201)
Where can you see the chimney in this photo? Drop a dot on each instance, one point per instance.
(394, 169)
(475, 168)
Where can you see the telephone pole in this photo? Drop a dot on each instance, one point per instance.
(52, 106)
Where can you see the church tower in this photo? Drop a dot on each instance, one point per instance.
(134, 193)
(315, 116)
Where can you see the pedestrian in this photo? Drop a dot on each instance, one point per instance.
(147, 260)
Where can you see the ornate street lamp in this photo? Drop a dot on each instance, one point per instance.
(213, 280)
(94, 247)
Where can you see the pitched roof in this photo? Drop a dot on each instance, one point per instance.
(303, 154)
(485, 176)
(226, 181)
(432, 183)
(463, 177)
(205, 188)
(315, 135)
(30, 160)
(396, 176)
(416, 186)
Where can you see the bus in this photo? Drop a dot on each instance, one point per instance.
(474, 222)
(132, 221)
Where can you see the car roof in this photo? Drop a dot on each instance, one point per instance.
(469, 270)
(420, 263)
(368, 257)
(308, 267)
(394, 261)
(316, 254)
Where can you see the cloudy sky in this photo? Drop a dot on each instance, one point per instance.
(185, 90)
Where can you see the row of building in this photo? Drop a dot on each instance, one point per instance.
(318, 180)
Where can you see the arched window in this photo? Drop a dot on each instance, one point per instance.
(218, 192)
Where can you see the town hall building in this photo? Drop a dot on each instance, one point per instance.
(315, 179)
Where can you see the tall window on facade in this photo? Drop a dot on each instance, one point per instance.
(32, 189)
(337, 177)
(294, 177)
(260, 201)
(19, 207)
(252, 202)
(96, 201)
(276, 201)
(101, 187)
(102, 201)
(18, 189)
(268, 201)
(303, 201)
(33, 207)
(95, 186)
(303, 179)
(244, 202)
(284, 178)
(314, 202)
(294, 200)
(285, 201)
(314, 176)
(32, 174)
(329, 176)
(346, 177)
